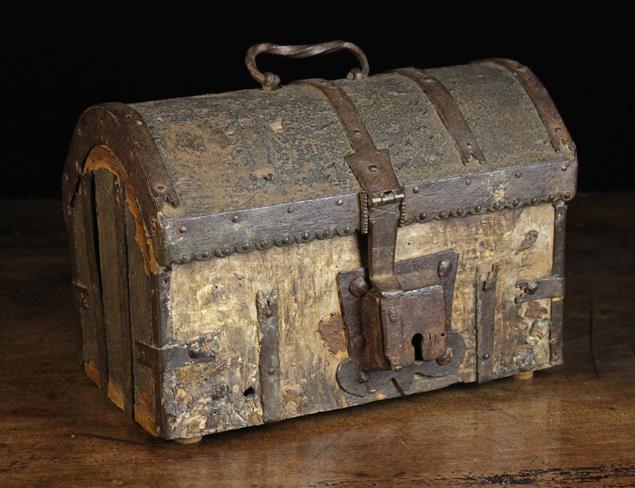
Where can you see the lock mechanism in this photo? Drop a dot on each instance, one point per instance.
(391, 340)
(398, 314)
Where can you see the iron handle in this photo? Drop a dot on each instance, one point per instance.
(269, 81)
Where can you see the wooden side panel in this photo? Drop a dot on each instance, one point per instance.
(219, 297)
(521, 338)
(113, 264)
(87, 283)
(141, 329)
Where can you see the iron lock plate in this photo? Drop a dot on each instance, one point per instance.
(424, 339)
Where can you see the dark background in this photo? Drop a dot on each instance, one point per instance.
(52, 72)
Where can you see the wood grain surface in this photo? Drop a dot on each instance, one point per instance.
(217, 297)
(568, 425)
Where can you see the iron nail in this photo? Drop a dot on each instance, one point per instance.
(444, 268)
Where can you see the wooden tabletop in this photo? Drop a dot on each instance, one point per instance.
(568, 425)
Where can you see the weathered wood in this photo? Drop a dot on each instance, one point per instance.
(571, 425)
(141, 329)
(219, 296)
(113, 265)
(95, 356)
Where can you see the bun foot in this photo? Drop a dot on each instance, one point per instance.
(189, 440)
(525, 375)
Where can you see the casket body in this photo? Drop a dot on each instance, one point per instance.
(223, 245)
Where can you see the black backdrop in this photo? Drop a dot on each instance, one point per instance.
(51, 72)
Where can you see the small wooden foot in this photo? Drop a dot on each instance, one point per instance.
(525, 375)
(189, 440)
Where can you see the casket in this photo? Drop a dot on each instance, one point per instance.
(247, 257)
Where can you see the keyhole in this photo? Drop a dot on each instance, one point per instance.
(417, 341)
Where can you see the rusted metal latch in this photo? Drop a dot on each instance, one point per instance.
(399, 320)
(392, 339)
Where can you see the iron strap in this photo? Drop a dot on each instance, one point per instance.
(374, 171)
(486, 282)
(558, 134)
(371, 166)
(449, 113)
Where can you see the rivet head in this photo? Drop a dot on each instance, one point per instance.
(245, 245)
(531, 287)
(415, 189)
(372, 168)
(446, 358)
(305, 236)
(567, 195)
(444, 215)
(517, 174)
(534, 201)
(478, 209)
(363, 377)
(468, 181)
(264, 243)
(485, 356)
(205, 254)
(290, 209)
(423, 216)
(358, 286)
(226, 251)
(551, 197)
(285, 240)
(235, 219)
(564, 167)
(444, 268)
(271, 371)
(347, 229)
(182, 229)
(340, 202)
(515, 202)
(269, 177)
